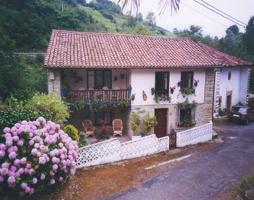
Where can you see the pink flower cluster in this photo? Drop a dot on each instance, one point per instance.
(36, 153)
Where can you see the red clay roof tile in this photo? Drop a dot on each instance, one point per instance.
(69, 49)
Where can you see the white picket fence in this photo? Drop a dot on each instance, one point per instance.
(195, 135)
(113, 150)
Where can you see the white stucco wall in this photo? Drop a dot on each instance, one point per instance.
(244, 84)
(144, 79)
(238, 84)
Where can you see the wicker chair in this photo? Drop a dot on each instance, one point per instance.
(89, 129)
(117, 127)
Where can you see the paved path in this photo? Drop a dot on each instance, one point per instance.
(203, 176)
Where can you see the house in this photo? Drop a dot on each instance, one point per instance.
(177, 80)
(231, 81)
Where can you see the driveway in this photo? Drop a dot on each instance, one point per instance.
(207, 175)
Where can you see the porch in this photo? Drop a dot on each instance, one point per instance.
(95, 94)
(95, 84)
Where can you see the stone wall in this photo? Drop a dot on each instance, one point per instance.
(54, 81)
(204, 111)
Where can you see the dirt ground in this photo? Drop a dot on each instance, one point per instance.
(105, 181)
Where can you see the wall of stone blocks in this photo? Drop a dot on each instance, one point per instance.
(54, 81)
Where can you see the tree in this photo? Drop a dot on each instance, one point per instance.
(139, 17)
(151, 19)
(195, 30)
(248, 37)
(131, 21)
(232, 30)
(232, 43)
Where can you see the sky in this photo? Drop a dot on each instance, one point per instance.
(191, 13)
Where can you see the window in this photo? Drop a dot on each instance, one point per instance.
(229, 75)
(97, 79)
(186, 79)
(161, 83)
(187, 117)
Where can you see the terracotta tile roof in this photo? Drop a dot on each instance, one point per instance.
(69, 49)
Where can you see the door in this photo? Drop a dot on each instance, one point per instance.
(161, 128)
(229, 100)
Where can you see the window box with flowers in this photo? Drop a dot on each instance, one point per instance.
(186, 84)
(162, 99)
(187, 90)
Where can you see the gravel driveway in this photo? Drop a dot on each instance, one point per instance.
(206, 175)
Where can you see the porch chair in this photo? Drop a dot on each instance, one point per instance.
(117, 127)
(89, 129)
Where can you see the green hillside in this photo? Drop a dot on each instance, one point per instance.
(27, 24)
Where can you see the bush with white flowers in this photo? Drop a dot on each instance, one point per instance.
(35, 154)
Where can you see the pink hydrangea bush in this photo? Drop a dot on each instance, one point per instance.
(36, 154)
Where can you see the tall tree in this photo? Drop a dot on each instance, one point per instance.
(151, 19)
(248, 37)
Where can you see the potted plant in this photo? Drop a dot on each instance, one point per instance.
(187, 90)
(172, 89)
(196, 83)
(135, 122)
(148, 123)
(144, 95)
(152, 91)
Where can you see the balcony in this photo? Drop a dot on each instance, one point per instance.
(110, 94)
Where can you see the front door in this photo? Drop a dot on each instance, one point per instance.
(161, 128)
(229, 100)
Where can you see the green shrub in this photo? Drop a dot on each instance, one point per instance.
(51, 103)
(221, 112)
(148, 123)
(83, 139)
(22, 94)
(135, 122)
(9, 116)
(72, 132)
(246, 184)
(187, 91)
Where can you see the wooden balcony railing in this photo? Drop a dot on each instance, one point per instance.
(98, 94)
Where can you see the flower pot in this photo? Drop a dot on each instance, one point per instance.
(172, 90)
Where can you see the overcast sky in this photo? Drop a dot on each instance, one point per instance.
(192, 13)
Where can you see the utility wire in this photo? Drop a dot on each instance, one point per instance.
(228, 18)
(224, 13)
(207, 16)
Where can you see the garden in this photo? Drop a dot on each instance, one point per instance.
(38, 145)
(38, 148)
